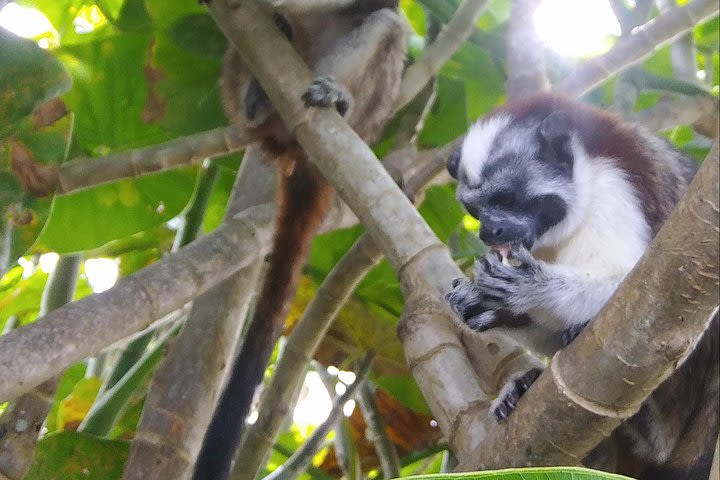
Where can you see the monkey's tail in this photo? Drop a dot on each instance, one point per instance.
(303, 199)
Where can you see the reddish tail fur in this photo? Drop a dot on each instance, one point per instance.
(303, 200)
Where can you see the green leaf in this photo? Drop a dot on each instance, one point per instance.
(219, 195)
(134, 17)
(415, 15)
(537, 473)
(382, 288)
(328, 248)
(187, 87)
(73, 408)
(70, 379)
(441, 211)
(21, 296)
(77, 456)
(108, 212)
(29, 75)
(110, 92)
(706, 35)
(449, 116)
(198, 34)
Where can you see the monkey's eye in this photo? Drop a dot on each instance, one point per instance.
(503, 199)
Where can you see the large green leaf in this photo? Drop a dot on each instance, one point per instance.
(91, 218)
(535, 473)
(29, 75)
(77, 456)
(449, 115)
(110, 93)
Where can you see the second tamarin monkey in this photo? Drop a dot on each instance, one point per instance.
(357, 54)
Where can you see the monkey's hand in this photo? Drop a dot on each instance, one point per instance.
(505, 286)
(469, 304)
(326, 92)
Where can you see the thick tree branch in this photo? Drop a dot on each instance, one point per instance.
(22, 420)
(421, 259)
(526, 55)
(638, 339)
(448, 41)
(641, 43)
(413, 171)
(171, 429)
(34, 353)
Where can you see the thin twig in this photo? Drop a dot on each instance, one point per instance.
(633, 48)
(82, 173)
(345, 450)
(668, 113)
(301, 459)
(452, 36)
(376, 433)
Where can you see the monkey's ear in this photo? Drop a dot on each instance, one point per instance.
(453, 162)
(554, 135)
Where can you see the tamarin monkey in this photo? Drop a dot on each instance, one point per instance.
(550, 178)
(357, 54)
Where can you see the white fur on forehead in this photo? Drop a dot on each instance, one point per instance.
(477, 144)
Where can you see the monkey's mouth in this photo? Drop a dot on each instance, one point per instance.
(503, 249)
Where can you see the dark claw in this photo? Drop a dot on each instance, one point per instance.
(569, 334)
(524, 382)
(342, 106)
(511, 399)
(457, 281)
(501, 414)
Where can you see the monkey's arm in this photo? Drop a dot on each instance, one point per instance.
(559, 298)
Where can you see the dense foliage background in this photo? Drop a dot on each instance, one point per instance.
(134, 73)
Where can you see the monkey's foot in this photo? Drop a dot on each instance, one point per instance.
(326, 92)
(509, 395)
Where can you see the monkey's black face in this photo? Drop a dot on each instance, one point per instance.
(508, 216)
(518, 183)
